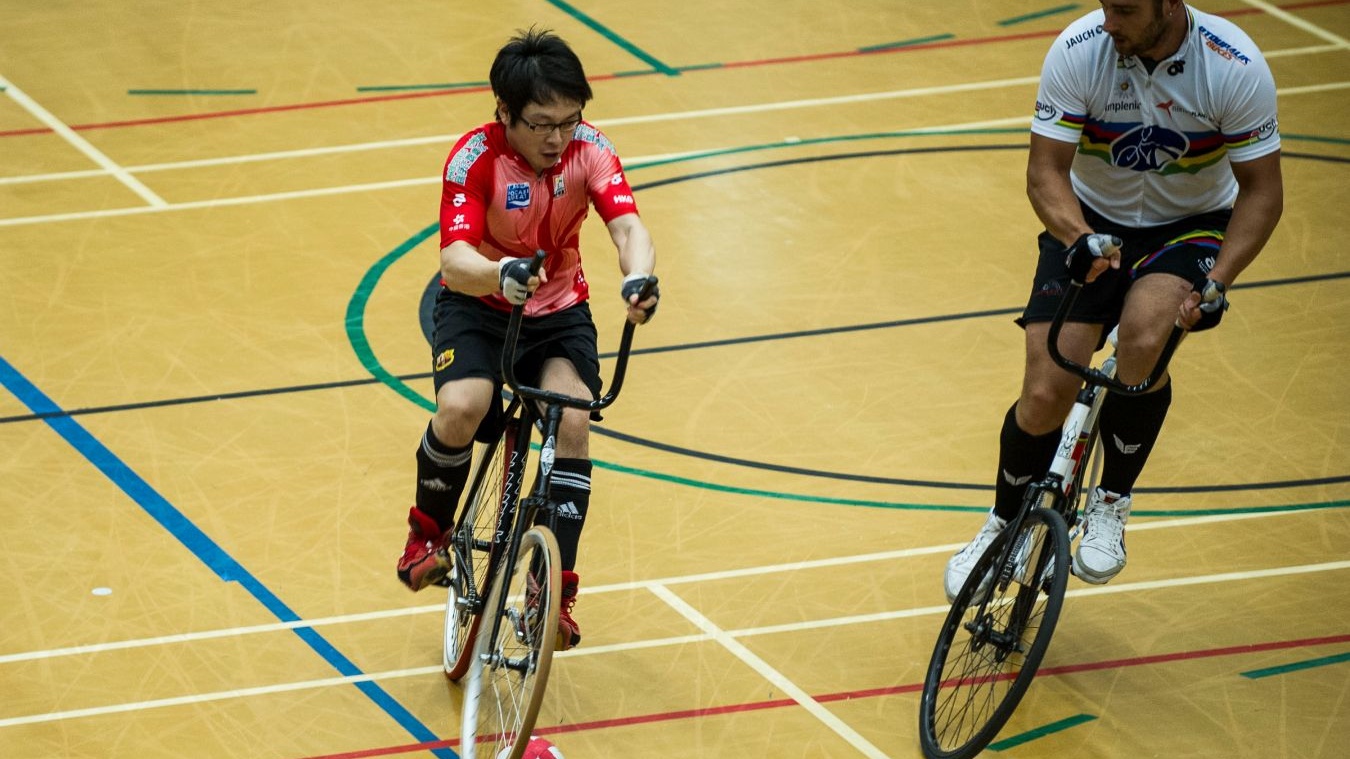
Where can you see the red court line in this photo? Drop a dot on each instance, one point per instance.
(603, 77)
(852, 695)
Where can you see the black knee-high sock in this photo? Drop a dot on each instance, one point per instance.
(1129, 426)
(441, 474)
(1022, 457)
(571, 497)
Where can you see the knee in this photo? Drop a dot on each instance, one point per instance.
(573, 434)
(1042, 408)
(455, 422)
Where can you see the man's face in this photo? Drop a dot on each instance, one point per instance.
(1137, 27)
(542, 131)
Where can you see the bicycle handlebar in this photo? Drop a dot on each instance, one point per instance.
(548, 396)
(1097, 376)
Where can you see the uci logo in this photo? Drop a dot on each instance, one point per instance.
(1148, 148)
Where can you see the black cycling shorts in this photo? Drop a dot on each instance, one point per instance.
(469, 336)
(1187, 248)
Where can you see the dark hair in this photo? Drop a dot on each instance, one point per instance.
(536, 66)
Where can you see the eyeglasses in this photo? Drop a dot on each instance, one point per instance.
(564, 129)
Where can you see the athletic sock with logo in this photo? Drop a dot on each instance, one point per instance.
(571, 498)
(1022, 457)
(441, 474)
(1129, 427)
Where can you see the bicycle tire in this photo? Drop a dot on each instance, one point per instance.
(475, 535)
(509, 671)
(988, 650)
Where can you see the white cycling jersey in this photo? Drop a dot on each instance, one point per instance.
(1155, 147)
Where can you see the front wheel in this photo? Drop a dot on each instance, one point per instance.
(989, 649)
(513, 652)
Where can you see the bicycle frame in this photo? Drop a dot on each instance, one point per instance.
(526, 400)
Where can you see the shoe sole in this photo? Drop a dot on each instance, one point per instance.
(1090, 577)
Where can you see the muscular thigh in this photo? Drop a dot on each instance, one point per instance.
(1151, 308)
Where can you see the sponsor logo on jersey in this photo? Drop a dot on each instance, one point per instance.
(1218, 45)
(1046, 112)
(458, 224)
(1084, 37)
(517, 195)
(1148, 148)
(621, 200)
(458, 200)
(457, 170)
(559, 187)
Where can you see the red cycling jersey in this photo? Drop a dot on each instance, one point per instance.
(493, 200)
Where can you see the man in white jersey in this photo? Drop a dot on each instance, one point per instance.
(1155, 124)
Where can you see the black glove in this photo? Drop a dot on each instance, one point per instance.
(1213, 302)
(1086, 249)
(635, 284)
(514, 276)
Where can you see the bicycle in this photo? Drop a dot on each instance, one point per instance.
(502, 607)
(999, 627)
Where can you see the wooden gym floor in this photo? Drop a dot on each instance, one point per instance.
(216, 231)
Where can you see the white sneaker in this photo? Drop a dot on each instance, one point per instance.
(1101, 552)
(963, 561)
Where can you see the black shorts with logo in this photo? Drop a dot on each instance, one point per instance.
(1186, 247)
(469, 336)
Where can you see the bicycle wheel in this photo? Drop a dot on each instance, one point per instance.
(989, 648)
(473, 547)
(505, 686)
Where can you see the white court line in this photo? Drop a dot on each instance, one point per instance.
(81, 144)
(1291, 19)
(729, 574)
(778, 679)
(711, 633)
(449, 139)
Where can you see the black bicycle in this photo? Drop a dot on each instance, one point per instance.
(501, 621)
(999, 626)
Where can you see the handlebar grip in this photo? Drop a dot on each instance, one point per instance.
(538, 261)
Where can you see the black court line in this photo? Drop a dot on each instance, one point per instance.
(338, 384)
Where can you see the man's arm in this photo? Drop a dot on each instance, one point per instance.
(1050, 191)
(1053, 199)
(634, 243)
(1257, 210)
(637, 257)
(467, 271)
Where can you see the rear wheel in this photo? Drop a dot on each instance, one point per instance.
(473, 548)
(988, 650)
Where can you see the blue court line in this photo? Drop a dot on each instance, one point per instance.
(201, 546)
(1038, 14)
(1040, 732)
(1296, 666)
(612, 37)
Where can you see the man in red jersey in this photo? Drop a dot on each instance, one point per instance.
(521, 183)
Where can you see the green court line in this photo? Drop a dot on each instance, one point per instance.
(1040, 732)
(356, 318)
(1315, 138)
(405, 87)
(355, 328)
(192, 92)
(821, 140)
(612, 37)
(905, 43)
(1296, 666)
(1038, 14)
